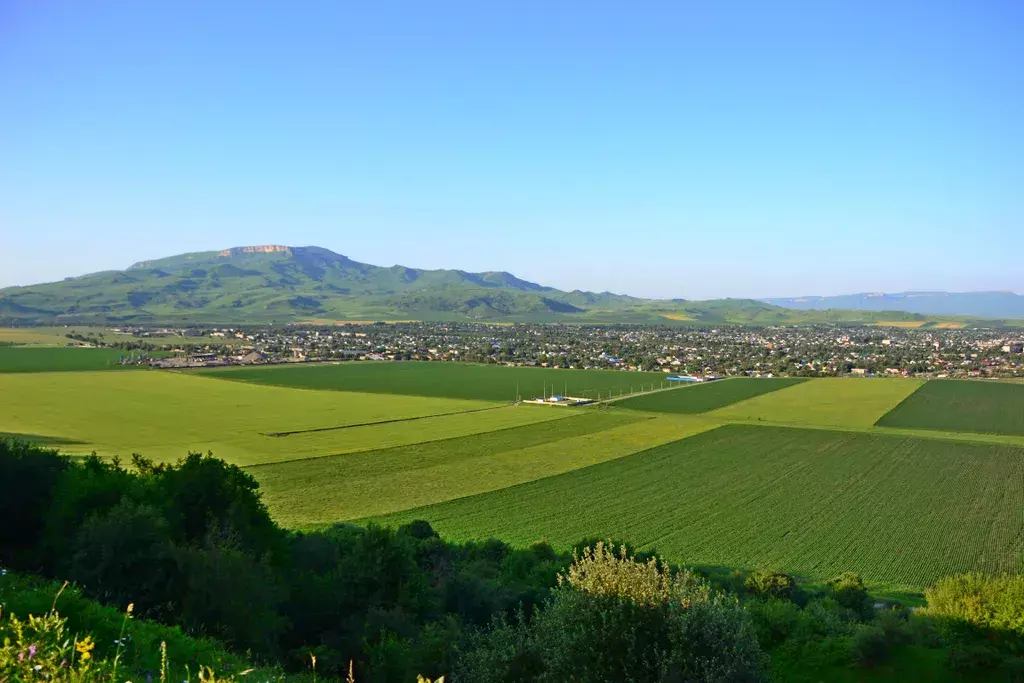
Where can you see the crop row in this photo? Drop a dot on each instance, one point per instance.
(962, 406)
(898, 510)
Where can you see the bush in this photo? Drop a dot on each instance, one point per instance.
(776, 620)
(615, 618)
(124, 555)
(848, 590)
(602, 570)
(972, 657)
(28, 476)
(765, 583)
(894, 624)
(869, 645)
(992, 603)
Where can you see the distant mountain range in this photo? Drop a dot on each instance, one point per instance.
(977, 304)
(279, 284)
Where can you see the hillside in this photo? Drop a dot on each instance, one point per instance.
(978, 304)
(264, 284)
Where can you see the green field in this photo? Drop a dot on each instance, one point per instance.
(961, 405)
(163, 415)
(813, 502)
(303, 493)
(443, 380)
(834, 402)
(701, 398)
(56, 359)
(714, 474)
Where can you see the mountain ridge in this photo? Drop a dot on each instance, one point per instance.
(274, 283)
(982, 304)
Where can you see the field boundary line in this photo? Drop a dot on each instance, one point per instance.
(382, 422)
(420, 443)
(897, 406)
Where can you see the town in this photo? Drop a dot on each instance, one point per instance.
(793, 351)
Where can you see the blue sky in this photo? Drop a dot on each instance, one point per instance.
(676, 149)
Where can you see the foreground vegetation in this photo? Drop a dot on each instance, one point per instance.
(71, 637)
(192, 546)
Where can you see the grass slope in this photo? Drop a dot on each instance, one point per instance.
(304, 493)
(838, 402)
(443, 380)
(962, 405)
(163, 415)
(701, 398)
(41, 359)
(814, 502)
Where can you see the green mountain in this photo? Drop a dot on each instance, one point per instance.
(276, 284)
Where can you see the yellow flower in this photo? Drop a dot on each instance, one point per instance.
(85, 647)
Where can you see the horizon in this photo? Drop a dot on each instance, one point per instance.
(736, 151)
(656, 298)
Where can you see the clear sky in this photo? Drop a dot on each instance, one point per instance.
(675, 149)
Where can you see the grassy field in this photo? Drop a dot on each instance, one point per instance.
(443, 380)
(57, 336)
(56, 359)
(838, 402)
(814, 502)
(701, 398)
(666, 469)
(961, 405)
(34, 336)
(304, 493)
(163, 415)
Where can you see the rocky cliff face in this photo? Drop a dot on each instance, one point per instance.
(258, 249)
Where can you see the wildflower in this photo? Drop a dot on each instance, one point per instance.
(131, 607)
(31, 651)
(38, 667)
(85, 647)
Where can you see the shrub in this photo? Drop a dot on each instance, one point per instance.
(602, 570)
(993, 603)
(971, 657)
(28, 476)
(775, 620)
(869, 645)
(124, 555)
(848, 590)
(894, 624)
(615, 618)
(770, 584)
